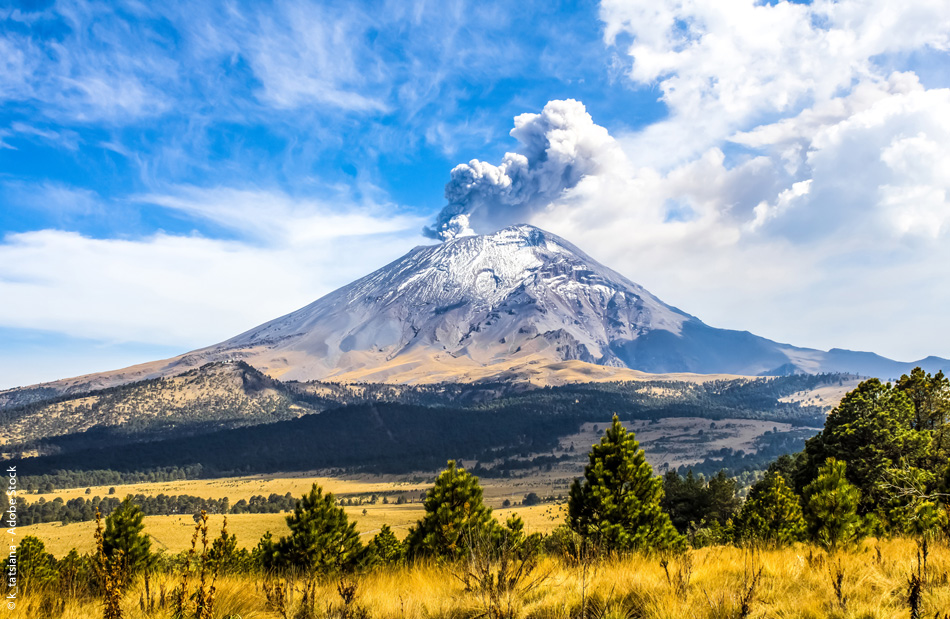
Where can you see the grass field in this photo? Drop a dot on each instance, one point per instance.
(298, 484)
(173, 533)
(711, 583)
(237, 488)
(668, 441)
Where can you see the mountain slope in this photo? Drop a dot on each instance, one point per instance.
(215, 396)
(517, 304)
(477, 300)
(518, 296)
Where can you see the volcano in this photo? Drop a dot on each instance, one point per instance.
(491, 306)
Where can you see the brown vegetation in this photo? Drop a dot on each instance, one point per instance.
(880, 579)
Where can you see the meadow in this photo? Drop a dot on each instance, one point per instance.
(172, 533)
(801, 581)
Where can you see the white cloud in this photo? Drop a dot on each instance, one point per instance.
(189, 291)
(65, 138)
(121, 66)
(276, 218)
(795, 189)
(56, 199)
(724, 65)
(835, 181)
(171, 290)
(305, 54)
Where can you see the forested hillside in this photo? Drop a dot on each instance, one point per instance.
(202, 418)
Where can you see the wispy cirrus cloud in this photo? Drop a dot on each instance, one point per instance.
(275, 218)
(192, 290)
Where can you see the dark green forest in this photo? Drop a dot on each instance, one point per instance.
(379, 428)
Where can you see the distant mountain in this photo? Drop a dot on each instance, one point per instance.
(215, 396)
(518, 293)
(515, 303)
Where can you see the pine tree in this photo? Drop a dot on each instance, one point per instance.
(223, 553)
(617, 506)
(265, 554)
(871, 431)
(772, 513)
(384, 549)
(124, 533)
(455, 516)
(321, 537)
(685, 499)
(34, 565)
(930, 397)
(724, 501)
(832, 508)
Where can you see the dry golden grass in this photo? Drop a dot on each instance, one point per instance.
(237, 488)
(298, 484)
(794, 582)
(173, 533)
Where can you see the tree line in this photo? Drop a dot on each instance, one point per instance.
(879, 467)
(81, 509)
(79, 478)
(155, 409)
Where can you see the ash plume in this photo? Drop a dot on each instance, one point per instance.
(557, 148)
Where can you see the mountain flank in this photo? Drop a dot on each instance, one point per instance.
(520, 304)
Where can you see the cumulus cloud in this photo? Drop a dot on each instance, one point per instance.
(791, 171)
(724, 66)
(835, 175)
(557, 149)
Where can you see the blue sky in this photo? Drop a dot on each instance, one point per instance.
(174, 173)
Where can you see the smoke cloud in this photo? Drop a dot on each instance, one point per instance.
(557, 149)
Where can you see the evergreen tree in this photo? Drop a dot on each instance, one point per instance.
(685, 499)
(871, 431)
(690, 502)
(321, 537)
(772, 513)
(790, 467)
(223, 554)
(930, 397)
(617, 506)
(265, 555)
(723, 498)
(34, 565)
(124, 533)
(455, 516)
(832, 508)
(925, 519)
(384, 549)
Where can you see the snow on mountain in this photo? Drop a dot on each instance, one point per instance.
(518, 303)
(520, 294)
(488, 298)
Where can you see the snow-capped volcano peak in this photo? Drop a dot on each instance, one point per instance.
(520, 304)
(517, 292)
